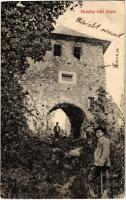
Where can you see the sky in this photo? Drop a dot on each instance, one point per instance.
(60, 117)
(114, 22)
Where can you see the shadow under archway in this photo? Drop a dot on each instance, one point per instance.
(75, 115)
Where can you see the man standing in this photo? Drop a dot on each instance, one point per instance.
(56, 130)
(101, 159)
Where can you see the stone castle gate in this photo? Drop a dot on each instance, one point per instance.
(68, 78)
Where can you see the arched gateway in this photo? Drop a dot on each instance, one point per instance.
(75, 115)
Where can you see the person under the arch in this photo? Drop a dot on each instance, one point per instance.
(56, 130)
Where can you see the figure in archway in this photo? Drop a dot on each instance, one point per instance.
(75, 114)
(56, 130)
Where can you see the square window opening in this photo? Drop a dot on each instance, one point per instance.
(67, 77)
(77, 52)
(57, 50)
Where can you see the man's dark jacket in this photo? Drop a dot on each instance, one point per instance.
(56, 129)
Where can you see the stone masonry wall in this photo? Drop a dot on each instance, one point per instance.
(44, 91)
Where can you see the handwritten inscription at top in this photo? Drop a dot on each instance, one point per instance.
(98, 26)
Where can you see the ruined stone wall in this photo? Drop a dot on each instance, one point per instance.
(44, 90)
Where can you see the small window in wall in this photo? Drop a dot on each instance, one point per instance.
(77, 52)
(57, 50)
(67, 77)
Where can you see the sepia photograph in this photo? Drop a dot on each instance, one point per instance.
(62, 100)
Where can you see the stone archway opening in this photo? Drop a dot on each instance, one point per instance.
(74, 114)
(59, 116)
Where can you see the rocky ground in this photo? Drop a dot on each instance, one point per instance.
(51, 168)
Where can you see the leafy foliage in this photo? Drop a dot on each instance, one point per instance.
(25, 32)
(52, 173)
(106, 113)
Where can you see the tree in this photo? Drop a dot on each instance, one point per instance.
(107, 114)
(25, 32)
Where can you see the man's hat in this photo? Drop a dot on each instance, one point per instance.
(103, 129)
